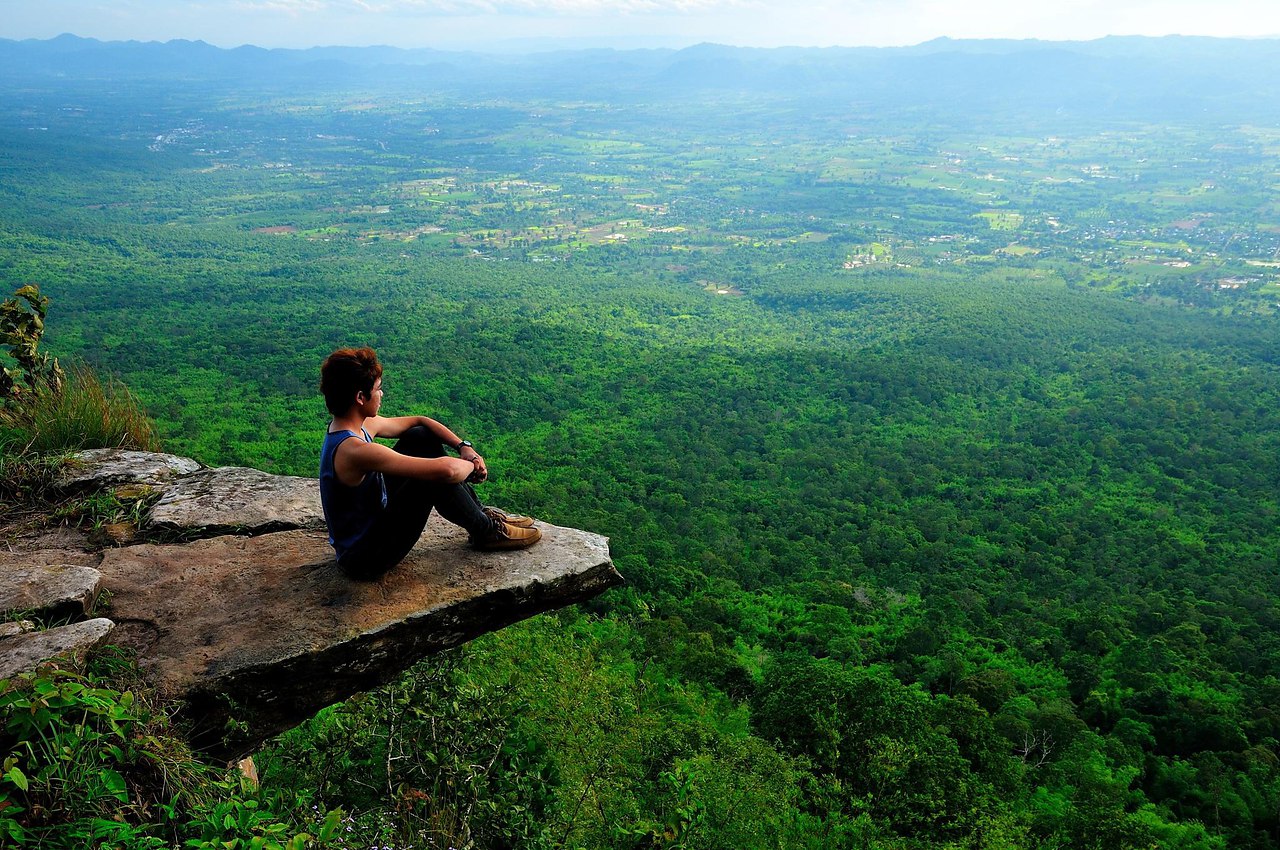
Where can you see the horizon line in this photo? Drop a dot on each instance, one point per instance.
(508, 45)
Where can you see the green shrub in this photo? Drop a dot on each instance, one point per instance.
(90, 764)
(21, 329)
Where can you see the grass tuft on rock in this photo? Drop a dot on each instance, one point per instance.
(86, 412)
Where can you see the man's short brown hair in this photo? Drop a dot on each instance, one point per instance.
(346, 372)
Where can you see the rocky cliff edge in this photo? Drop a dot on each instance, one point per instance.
(231, 599)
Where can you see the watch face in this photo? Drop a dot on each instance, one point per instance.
(466, 443)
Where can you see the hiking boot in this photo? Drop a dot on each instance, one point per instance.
(506, 536)
(509, 519)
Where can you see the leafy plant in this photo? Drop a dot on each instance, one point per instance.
(21, 329)
(89, 764)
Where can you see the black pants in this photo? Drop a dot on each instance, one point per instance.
(409, 503)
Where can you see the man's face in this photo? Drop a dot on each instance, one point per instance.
(372, 400)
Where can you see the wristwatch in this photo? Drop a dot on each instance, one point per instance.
(462, 443)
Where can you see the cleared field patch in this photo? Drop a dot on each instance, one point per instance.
(869, 255)
(404, 235)
(609, 146)
(612, 231)
(840, 170)
(926, 178)
(1001, 220)
(608, 179)
(713, 288)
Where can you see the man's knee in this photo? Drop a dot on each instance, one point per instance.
(418, 441)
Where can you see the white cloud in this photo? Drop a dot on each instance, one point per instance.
(523, 8)
(288, 7)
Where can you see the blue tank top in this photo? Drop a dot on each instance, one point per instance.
(348, 511)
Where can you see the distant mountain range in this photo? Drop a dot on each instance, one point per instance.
(1188, 78)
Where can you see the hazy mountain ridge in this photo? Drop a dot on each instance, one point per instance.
(1146, 78)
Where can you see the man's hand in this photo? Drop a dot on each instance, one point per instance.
(481, 472)
(460, 469)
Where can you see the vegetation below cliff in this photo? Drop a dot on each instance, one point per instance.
(962, 587)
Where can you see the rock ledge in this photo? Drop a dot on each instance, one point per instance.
(260, 627)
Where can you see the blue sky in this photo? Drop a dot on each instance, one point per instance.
(626, 23)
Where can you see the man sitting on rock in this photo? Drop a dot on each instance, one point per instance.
(377, 499)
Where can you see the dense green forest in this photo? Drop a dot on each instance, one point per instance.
(940, 457)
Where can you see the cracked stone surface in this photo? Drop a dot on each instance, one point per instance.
(102, 468)
(270, 626)
(48, 591)
(236, 499)
(26, 651)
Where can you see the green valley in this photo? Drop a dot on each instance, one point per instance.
(938, 448)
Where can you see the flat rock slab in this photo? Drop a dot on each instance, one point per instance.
(17, 554)
(70, 540)
(102, 468)
(17, 627)
(48, 591)
(230, 499)
(268, 629)
(25, 652)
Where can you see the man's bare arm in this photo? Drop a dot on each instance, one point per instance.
(394, 426)
(355, 458)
